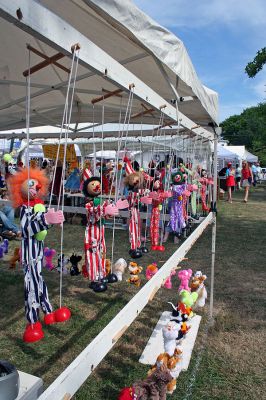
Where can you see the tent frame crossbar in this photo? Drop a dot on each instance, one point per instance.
(47, 61)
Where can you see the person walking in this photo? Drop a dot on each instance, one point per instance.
(238, 177)
(254, 173)
(230, 181)
(246, 179)
(259, 174)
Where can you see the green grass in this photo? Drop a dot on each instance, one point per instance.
(228, 360)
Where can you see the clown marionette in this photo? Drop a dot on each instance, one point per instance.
(157, 197)
(135, 183)
(204, 182)
(95, 247)
(177, 222)
(192, 187)
(27, 187)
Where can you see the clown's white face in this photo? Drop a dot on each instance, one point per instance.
(31, 185)
(94, 188)
(177, 179)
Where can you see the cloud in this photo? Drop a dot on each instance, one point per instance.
(201, 13)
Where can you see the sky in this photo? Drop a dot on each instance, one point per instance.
(221, 37)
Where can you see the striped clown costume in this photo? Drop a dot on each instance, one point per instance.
(35, 289)
(134, 222)
(94, 243)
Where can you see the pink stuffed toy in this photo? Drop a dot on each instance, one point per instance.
(184, 275)
(168, 282)
(49, 254)
(151, 270)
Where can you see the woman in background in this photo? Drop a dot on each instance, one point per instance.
(230, 181)
(246, 179)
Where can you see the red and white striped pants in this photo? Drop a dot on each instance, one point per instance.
(154, 229)
(134, 228)
(95, 251)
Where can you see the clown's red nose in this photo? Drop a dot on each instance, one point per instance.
(38, 186)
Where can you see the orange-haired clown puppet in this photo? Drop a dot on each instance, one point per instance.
(27, 188)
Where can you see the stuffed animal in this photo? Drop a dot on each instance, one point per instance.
(171, 333)
(197, 285)
(184, 275)
(168, 282)
(64, 263)
(15, 258)
(49, 254)
(134, 268)
(134, 280)
(172, 363)
(151, 270)
(180, 315)
(74, 269)
(187, 299)
(119, 268)
(152, 388)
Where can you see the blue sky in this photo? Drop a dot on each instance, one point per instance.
(221, 37)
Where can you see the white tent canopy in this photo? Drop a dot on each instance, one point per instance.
(120, 45)
(225, 154)
(251, 158)
(242, 153)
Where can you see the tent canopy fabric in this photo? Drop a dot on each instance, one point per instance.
(119, 27)
(240, 152)
(224, 153)
(124, 32)
(251, 158)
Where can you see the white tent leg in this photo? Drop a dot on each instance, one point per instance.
(212, 265)
(214, 221)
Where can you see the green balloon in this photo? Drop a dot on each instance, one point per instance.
(40, 235)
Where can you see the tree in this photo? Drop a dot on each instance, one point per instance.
(256, 65)
(248, 129)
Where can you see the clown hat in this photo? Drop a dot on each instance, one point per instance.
(128, 166)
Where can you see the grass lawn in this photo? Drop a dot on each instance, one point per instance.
(229, 358)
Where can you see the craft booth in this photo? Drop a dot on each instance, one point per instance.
(80, 66)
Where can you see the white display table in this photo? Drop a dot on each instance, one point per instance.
(31, 387)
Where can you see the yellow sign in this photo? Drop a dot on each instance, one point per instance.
(50, 151)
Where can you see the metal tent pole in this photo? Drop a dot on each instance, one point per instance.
(214, 200)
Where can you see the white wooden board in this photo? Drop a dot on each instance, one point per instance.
(155, 344)
(31, 387)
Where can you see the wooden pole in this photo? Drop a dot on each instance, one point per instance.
(106, 96)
